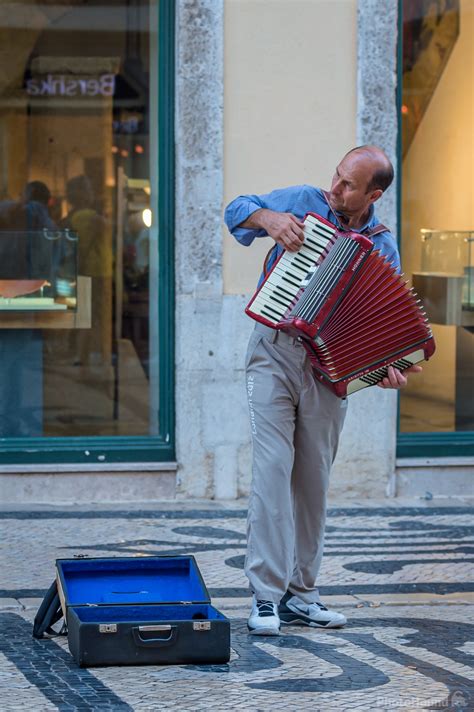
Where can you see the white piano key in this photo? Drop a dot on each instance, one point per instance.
(293, 268)
(284, 290)
(313, 249)
(282, 275)
(261, 303)
(268, 310)
(314, 222)
(303, 258)
(275, 296)
(317, 237)
(262, 309)
(281, 289)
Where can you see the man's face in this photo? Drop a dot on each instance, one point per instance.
(349, 194)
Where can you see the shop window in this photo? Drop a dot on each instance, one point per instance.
(81, 289)
(437, 207)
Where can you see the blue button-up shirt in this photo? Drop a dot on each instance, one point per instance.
(298, 200)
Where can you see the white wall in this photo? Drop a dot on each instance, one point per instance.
(289, 105)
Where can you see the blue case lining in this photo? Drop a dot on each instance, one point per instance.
(145, 614)
(132, 580)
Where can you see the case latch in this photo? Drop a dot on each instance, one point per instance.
(201, 625)
(108, 628)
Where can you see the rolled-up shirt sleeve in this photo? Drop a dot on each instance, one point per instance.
(388, 247)
(239, 210)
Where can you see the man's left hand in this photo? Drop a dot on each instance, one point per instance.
(397, 379)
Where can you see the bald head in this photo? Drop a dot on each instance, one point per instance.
(380, 164)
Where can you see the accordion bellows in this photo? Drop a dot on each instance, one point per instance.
(353, 312)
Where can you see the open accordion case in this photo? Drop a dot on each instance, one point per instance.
(135, 610)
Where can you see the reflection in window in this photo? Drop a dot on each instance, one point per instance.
(76, 106)
(438, 206)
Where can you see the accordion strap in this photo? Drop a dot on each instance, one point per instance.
(377, 229)
(266, 261)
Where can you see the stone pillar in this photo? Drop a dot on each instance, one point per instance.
(377, 120)
(211, 427)
(366, 463)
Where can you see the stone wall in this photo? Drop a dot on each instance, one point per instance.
(366, 461)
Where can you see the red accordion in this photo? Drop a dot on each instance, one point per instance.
(355, 315)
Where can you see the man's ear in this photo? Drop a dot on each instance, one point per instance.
(375, 195)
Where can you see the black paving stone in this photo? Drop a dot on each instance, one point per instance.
(389, 567)
(232, 514)
(71, 692)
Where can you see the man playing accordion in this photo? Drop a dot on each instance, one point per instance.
(296, 421)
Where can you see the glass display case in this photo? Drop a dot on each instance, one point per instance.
(445, 282)
(38, 270)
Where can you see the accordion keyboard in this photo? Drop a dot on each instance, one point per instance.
(291, 272)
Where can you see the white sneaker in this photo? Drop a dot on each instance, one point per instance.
(264, 618)
(294, 611)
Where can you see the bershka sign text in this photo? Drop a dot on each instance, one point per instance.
(65, 85)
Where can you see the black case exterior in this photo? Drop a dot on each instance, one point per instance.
(179, 643)
(135, 633)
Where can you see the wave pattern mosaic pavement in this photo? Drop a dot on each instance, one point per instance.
(403, 576)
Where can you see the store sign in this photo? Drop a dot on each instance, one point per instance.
(65, 85)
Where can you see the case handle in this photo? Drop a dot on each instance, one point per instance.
(172, 631)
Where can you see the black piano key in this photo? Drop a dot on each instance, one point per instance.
(279, 300)
(273, 313)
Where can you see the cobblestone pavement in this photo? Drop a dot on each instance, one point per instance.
(401, 574)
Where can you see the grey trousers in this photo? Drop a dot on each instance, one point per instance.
(295, 424)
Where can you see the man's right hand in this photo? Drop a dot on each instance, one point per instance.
(284, 228)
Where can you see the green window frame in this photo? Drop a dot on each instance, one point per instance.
(159, 448)
(421, 445)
